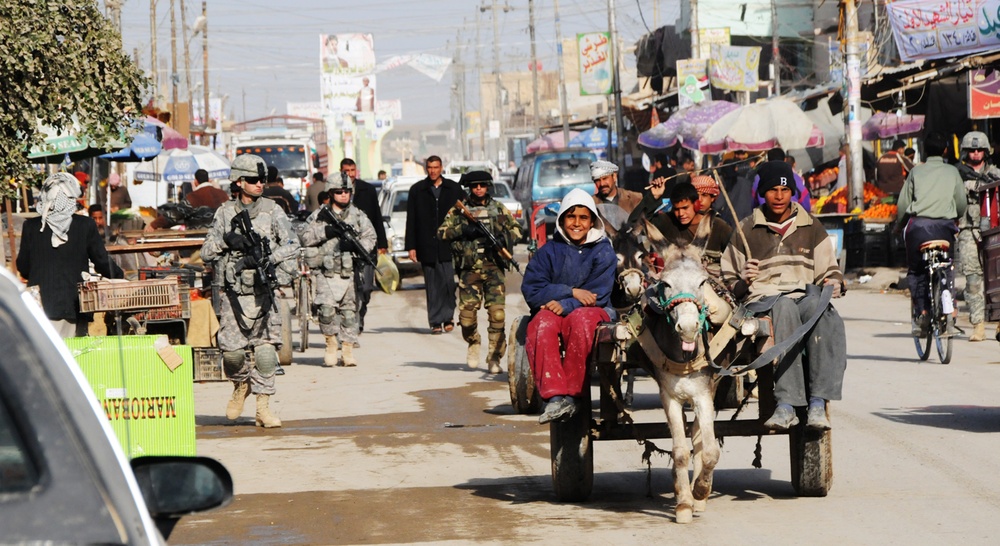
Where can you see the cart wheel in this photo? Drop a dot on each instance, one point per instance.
(811, 454)
(523, 395)
(302, 310)
(573, 455)
(285, 353)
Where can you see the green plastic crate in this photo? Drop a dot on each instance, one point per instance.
(150, 407)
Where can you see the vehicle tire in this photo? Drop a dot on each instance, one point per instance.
(523, 394)
(572, 451)
(811, 453)
(303, 311)
(285, 353)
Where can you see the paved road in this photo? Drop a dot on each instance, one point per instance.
(411, 446)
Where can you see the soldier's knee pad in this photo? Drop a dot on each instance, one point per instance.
(467, 317)
(497, 316)
(232, 361)
(350, 316)
(266, 359)
(326, 314)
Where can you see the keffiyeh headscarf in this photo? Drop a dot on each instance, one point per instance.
(600, 168)
(57, 203)
(705, 184)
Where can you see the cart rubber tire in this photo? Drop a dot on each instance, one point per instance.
(573, 455)
(523, 394)
(811, 454)
(285, 352)
(303, 310)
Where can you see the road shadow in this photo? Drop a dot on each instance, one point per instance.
(399, 330)
(443, 366)
(980, 419)
(883, 358)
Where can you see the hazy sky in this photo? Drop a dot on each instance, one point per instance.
(265, 54)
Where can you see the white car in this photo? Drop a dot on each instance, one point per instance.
(392, 202)
(502, 193)
(64, 478)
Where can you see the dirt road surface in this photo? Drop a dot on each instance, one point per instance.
(413, 447)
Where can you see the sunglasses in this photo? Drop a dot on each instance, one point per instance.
(340, 192)
(253, 180)
(479, 185)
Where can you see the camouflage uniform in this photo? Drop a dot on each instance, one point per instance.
(335, 290)
(480, 279)
(270, 222)
(969, 238)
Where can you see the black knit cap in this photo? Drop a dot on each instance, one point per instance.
(475, 176)
(773, 174)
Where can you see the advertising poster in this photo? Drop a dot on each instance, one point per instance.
(984, 94)
(595, 63)
(928, 29)
(347, 82)
(709, 36)
(692, 81)
(734, 67)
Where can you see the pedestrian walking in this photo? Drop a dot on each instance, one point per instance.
(480, 267)
(249, 320)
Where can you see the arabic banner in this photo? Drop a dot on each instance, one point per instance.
(595, 63)
(346, 83)
(734, 67)
(984, 94)
(933, 29)
(692, 79)
(709, 36)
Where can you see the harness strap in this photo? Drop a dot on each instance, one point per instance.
(656, 356)
(779, 349)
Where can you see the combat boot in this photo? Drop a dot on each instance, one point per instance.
(979, 333)
(347, 354)
(241, 391)
(330, 356)
(264, 416)
(495, 351)
(472, 356)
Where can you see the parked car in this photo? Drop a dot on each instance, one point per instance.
(393, 205)
(455, 169)
(502, 193)
(64, 478)
(547, 176)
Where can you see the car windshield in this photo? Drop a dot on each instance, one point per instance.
(500, 191)
(568, 171)
(399, 201)
(290, 160)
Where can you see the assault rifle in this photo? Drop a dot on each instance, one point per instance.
(348, 234)
(259, 253)
(507, 259)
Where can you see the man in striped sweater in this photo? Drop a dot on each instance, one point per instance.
(788, 252)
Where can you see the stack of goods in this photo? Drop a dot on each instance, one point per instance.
(822, 178)
(879, 206)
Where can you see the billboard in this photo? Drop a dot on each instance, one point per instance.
(734, 67)
(595, 63)
(934, 29)
(984, 94)
(692, 80)
(347, 81)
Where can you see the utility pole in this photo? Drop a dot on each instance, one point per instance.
(153, 65)
(536, 119)
(204, 68)
(614, 155)
(564, 111)
(501, 151)
(695, 45)
(459, 89)
(187, 63)
(173, 63)
(775, 52)
(479, 81)
(853, 61)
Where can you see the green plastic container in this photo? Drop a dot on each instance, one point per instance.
(150, 407)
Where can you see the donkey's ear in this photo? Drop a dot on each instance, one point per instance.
(654, 234)
(610, 230)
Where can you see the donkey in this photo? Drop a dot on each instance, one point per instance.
(674, 338)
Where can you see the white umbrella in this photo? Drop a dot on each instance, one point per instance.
(773, 122)
(178, 166)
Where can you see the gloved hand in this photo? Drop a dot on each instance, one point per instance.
(332, 231)
(471, 232)
(236, 241)
(750, 271)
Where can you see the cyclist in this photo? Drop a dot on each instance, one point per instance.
(976, 171)
(932, 198)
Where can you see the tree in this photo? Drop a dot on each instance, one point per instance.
(61, 65)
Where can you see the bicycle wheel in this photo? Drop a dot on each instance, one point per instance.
(940, 320)
(922, 343)
(303, 302)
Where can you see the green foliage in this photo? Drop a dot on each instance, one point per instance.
(61, 65)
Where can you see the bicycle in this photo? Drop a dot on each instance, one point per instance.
(303, 302)
(941, 327)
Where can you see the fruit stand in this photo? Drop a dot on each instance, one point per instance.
(868, 238)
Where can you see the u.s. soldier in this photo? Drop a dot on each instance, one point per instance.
(479, 266)
(248, 319)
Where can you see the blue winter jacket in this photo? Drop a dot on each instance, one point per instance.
(559, 267)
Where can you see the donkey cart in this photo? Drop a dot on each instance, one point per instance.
(615, 357)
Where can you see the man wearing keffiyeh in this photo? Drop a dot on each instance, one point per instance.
(56, 248)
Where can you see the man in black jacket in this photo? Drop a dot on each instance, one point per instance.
(366, 199)
(427, 205)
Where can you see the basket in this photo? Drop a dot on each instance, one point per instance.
(181, 311)
(208, 364)
(98, 296)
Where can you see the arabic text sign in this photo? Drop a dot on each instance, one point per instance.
(595, 63)
(734, 67)
(692, 79)
(984, 94)
(709, 36)
(347, 60)
(933, 29)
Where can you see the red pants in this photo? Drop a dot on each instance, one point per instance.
(554, 375)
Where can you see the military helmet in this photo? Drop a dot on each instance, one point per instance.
(342, 182)
(247, 166)
(975, 140)
(475, 176)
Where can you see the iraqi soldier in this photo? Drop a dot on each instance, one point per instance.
(249, 320)
(975, 171)
(479, 266)
(337, 258)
